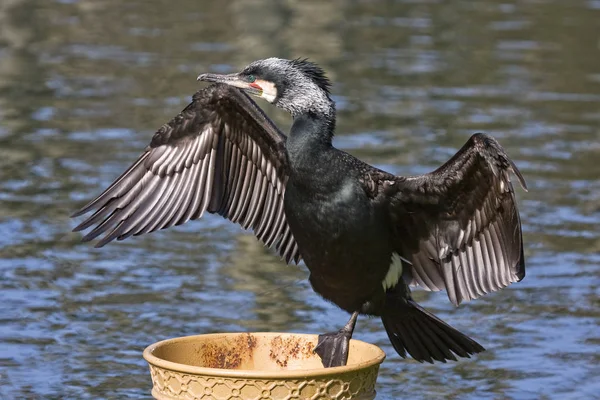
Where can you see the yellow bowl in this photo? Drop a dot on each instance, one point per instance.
(258, 366)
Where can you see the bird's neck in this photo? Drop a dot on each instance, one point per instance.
(311, 133)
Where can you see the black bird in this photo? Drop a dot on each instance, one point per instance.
(365, 235)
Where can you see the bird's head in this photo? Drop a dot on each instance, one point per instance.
(297, 86)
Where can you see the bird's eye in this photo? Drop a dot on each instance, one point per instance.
(251, 78)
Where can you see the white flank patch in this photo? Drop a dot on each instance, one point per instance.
(394, 273)
(269, 90)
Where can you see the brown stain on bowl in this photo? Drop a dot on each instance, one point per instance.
(284, 349)
(228, 355)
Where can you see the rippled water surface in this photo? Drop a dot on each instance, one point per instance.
(84, 84)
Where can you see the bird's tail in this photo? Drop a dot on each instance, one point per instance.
(424, 336)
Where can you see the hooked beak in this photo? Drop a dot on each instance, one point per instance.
(233, 80)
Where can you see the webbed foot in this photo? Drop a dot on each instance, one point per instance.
(333, 347)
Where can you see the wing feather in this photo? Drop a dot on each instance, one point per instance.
(221, 154)
(183, 198)
(167, 207)
(459, 226)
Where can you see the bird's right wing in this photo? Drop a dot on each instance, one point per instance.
(221, 154)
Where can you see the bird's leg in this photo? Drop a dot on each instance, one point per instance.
(333, 346)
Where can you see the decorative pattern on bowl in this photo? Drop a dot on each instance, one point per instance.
(258, 366)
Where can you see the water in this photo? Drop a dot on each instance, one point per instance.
(83, 85)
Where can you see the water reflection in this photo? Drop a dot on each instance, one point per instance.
(83, 84)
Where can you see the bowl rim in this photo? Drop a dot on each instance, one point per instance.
(251, 373)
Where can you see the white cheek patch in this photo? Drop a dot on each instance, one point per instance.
(394, 274)
(269, 90)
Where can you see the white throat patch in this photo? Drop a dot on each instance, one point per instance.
(394, 274)
(269, 90)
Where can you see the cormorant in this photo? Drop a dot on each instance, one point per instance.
(365, 235)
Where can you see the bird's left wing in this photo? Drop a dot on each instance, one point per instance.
(459, 227)
(221, 154)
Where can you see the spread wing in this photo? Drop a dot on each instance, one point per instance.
(459, 226)
(221, 154)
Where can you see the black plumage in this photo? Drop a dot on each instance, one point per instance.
(364, 234)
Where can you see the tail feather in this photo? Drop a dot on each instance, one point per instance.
(438, 348)
(424, 336)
